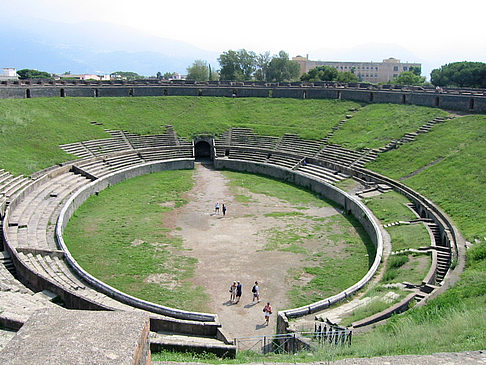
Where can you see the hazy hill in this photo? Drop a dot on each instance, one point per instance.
(92, 47)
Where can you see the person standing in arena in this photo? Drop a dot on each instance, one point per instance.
(267, 310)
(256, 292)
(238, 292)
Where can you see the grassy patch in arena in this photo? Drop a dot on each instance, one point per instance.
(124, 226)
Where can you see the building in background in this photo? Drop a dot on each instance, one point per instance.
(9, 73)
(84, 77)
(365, 71)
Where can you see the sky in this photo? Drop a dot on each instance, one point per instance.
(434, 31)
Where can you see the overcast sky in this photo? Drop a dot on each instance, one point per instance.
(439, 30)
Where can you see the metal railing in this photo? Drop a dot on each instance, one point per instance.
(289, 343)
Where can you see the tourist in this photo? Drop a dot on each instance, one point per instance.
(238, 292)
(267, 310)
(233, 292)
(224, 210)
(256, 292)
(216, 208)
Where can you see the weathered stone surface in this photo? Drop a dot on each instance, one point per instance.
(58, 337)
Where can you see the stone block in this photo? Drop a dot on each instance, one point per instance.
(58, 336)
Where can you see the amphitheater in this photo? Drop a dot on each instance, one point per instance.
(38, 271)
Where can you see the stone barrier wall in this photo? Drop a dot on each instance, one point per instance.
(92, 188)
(460, 99)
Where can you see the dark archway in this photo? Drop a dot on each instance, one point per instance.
(202, 150)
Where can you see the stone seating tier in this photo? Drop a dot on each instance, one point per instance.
(284, 160)
(105, 146)
(76, 149)
(36, 214)
(246, 137)
(119, 162)
(294, 144)
(321, 172)
(167, 154)
(257, 156)
(10, 184)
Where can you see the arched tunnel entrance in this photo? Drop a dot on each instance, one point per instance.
(202, 150)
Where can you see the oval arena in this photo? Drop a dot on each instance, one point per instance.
(36, 209)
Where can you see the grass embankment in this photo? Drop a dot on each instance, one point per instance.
(32, 129)
(448, 167)
(377, 124)
(120, 238)
(390, 207)
(338, 252)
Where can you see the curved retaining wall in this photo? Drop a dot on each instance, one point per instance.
(351, 206)
(75, 201)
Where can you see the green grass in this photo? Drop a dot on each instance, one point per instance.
(55, 121)
(377, 124)
(119, 237)
(409, 268)
(390, 207)
(348, 253)
(344, 251)
(457, 181)
(409, 236)
(259, 184)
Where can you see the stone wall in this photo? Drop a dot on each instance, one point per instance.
(455, 100)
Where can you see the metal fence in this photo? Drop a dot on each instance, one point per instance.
(324, 334)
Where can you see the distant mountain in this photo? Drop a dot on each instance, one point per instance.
(93, 48)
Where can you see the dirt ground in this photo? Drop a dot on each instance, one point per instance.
(230, 248)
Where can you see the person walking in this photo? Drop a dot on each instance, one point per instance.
(233, 292)
(238, 292)
(216, 208)
(256, 292)
(267, 310)
(224, 210)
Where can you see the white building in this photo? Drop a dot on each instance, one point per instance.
(9, 73)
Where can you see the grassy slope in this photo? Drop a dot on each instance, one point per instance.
(32, 129)
(377, 124)
(452, 157)
(449, 162)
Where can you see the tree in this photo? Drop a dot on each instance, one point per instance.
(408, 78)
(346, 77)
(237, 65)
(199, 71)
(127, 75)
(280, 68)
(33, 74)
(262, 62)
(159, 75)
(417, 70)
(462, 74)
(168, 75)
(320, 73)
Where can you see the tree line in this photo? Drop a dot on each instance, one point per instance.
(243, 65)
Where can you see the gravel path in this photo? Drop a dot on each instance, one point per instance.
(231, 248)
